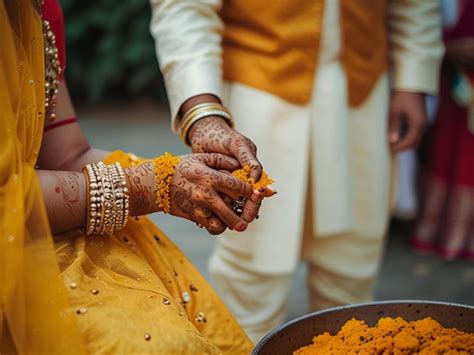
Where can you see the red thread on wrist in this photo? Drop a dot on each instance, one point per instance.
(60, 123)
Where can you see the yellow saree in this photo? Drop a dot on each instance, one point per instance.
(134, 292)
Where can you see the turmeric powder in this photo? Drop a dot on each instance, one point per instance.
(392, 336)
(244, 175)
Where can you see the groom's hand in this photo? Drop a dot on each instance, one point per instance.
(407, 120)
(214, 135)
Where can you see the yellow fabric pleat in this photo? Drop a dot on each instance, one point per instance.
(34, 312)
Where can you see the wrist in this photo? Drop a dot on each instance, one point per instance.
(141, 182)
(150, 183)
(196, 100)
(205, 122)
(408, 93)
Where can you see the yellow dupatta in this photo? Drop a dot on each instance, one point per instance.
(34, 318)
(141, 275)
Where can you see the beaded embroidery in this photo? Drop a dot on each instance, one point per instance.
(52, 69)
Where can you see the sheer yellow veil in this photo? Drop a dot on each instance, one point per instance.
(34, 314)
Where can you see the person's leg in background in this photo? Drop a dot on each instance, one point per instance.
(252, 270)
(343, 266)
(406, 205)
(406, 202)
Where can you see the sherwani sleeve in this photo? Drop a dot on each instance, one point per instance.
(415, 44)
(188, 37)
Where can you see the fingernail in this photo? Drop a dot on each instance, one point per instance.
(241, 226)
(393, 137)
(256, 197)
(272, 189)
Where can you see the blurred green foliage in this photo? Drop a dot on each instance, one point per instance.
(110, 52)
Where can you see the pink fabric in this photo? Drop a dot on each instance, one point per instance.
(446, 223)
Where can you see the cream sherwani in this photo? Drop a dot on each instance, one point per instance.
(331, 163)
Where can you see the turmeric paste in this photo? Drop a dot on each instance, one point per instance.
(244, 175)
(392, 336)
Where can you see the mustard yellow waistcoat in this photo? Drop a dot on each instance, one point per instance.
(274, 45)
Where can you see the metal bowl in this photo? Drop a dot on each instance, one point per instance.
(300, 332)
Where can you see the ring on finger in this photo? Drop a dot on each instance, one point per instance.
(237, 206)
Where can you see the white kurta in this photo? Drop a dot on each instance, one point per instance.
(346, 149)
(338, 153)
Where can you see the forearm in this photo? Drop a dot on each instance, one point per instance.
(141, 182)
(196, 100)
(65, 195)
(90, 156)
(65, 198)
(415, 44)
(188, 37)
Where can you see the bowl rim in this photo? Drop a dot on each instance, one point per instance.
(269, 335)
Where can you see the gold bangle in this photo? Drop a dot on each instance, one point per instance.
(108, 198)
(116, 202)
(88, 225)
(107, 204)
(196, 109)
(94, 197)
(198, 115)
(125, 195)
(121, 196)
(201, 107)
(201, 111)
(198, 106)
(99, 201)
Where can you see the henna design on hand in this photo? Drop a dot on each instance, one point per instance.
(196, 187)
(141, 181)
(184, 203)
(68, 187)
(214, 135)
(65, 197)
(196, 190)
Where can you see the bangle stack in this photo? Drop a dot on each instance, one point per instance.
(108, 198)
(201, 111)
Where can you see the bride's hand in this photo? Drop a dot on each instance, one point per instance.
(200, 185)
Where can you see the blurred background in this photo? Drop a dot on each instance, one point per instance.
(110, 51)
(114, 80)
